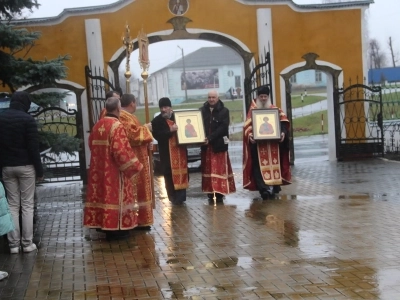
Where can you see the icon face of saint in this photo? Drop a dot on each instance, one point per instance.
(178, 7)
(190, 132)
(144, 53)
(266, 127)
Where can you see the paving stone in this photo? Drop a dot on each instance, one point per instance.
(332, 234)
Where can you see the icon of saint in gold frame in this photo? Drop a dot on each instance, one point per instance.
(266, 124)
(190, 127)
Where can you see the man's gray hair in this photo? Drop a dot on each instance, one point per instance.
(112, 104)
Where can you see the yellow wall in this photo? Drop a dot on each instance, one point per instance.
(335, 35)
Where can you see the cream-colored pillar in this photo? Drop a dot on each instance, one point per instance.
(265, 41)
(94, 46)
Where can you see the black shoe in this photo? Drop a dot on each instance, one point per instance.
(142, 228)
(277, 189)
(267, 195)
(117, 235)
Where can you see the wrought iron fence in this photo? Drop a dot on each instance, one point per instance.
(391, 118)
(260, 76)
(97, 85)
(59, 166)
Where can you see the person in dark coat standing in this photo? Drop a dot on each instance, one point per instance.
(217, 175)
(21, 167)
(173, 157)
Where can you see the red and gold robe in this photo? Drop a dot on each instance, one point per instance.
(217, 174)
(139, 138)
(178, 159)
(110, 203)
(274, 163)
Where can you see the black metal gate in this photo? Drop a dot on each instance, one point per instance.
(97, 86)
(259, 76)
(60, 166)
(358, 122)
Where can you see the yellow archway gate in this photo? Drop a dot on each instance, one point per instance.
(286, 30)
(334, 31)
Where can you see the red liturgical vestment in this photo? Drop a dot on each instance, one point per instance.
(110, 203)
(274, 162)
(178, 160)
(139, 138)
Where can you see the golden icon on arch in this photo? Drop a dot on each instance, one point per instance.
(178, 7)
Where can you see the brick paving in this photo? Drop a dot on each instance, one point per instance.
(332, 234)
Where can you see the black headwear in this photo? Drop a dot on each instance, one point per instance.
(23, 98)
(164, 102)
(263, 90)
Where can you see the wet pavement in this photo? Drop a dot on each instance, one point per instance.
(332, 234)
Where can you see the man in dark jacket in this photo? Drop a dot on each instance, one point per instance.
(217, 176)
(21, 165)
(173, 157)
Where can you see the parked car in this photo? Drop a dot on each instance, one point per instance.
(194, 155)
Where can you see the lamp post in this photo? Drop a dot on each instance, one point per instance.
(184, 73)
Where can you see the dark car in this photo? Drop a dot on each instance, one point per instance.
(5, 104)
(194, 156)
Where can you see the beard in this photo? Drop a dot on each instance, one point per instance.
(260, 104)
(166, 115)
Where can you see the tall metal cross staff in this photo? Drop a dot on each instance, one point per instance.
(127, 42)
(144, 62)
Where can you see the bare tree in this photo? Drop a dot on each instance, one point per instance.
(393, 55)
(376, 56)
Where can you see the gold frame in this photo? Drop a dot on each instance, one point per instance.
(258, 121)
(193, 117)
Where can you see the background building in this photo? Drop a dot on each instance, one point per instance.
(219, 68)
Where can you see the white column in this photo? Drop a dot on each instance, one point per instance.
(94, 43)
(265, 40)
(94, 46)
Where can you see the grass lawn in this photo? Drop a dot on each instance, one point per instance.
(311, 124)
(310, 99)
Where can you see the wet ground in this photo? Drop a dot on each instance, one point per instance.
(332, 234)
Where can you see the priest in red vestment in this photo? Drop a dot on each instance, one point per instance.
(265, 162)
(173, 157)
(110, 203)
(140, 138)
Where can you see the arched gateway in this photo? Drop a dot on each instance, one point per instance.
(92, 35)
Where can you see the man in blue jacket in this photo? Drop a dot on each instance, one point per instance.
(21, 166)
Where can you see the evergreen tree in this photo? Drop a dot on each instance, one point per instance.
(15, 43)
(18, 69)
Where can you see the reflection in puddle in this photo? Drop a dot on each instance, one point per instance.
(285, 227)
(360, 197)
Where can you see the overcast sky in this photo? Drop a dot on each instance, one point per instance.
(383, 22)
